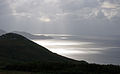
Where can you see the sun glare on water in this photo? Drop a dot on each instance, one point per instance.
(66, 47)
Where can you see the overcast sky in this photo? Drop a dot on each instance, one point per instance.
(61, 16)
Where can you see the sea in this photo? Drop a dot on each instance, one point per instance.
(93, 49)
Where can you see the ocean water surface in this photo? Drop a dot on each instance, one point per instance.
(101, 50)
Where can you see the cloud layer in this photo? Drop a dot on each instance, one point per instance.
(61, 16)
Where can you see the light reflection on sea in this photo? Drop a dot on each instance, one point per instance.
(93, 50)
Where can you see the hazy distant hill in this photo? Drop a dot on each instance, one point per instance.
(14, 47)
(2, 32)
(30, 36)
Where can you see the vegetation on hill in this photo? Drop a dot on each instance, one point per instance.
(64, 68)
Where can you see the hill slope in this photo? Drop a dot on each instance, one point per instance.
(14, 47)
